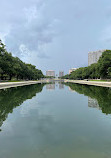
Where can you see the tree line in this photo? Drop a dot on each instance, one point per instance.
(99, 70)
(13, 67)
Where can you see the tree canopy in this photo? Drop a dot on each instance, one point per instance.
(13, 67)
(101, 69)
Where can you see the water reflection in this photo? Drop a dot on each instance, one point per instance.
(13, 97)
(50, 86)
(98, 97)
(54, 85)
(71, 90)
(93, 103)
(61, 85)
(55, 124)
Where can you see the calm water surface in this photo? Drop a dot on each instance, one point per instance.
(55, 121)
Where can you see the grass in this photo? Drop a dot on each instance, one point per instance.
(101, 80)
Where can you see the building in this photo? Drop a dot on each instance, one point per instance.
(50, 73)
(71, 70)
(93, 57)
(61, 73)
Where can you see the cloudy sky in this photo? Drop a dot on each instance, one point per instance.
(55, 34)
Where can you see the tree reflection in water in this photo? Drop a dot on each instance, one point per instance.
(13, 97)
(101, 96)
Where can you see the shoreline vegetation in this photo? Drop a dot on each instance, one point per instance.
(12, 68)
(100, 70)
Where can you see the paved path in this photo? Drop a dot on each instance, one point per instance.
(93, 83)
(5, 85)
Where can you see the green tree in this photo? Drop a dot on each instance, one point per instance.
(104, 63)
(13, 67)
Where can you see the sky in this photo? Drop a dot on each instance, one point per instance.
(55, 34)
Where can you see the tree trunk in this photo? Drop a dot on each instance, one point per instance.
(2, 77)
(10, 77)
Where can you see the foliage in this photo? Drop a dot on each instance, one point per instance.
(101, 94)
(66, 77)
(101, 69)
(49, 77)
(104, 64)
(13, 67)
(12, 97)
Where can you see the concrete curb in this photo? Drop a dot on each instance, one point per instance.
(92, 83)
(17, 84)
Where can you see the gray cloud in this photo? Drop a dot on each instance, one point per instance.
(29, 30)
(60, 30)
(43, 56)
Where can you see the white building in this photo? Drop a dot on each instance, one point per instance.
(93, 57)
(50, 73)
(71, 70)
(61, 73)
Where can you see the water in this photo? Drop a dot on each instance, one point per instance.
(55, 121)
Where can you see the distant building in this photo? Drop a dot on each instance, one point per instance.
(71, 70)
(93, 57)
(61, 73)
(50, 73)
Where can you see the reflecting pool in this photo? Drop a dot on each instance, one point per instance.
(55, 121)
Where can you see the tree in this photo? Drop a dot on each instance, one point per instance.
(104, 63)
(13, 67)
(102, 69)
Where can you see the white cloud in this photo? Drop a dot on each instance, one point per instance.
(24, 51)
